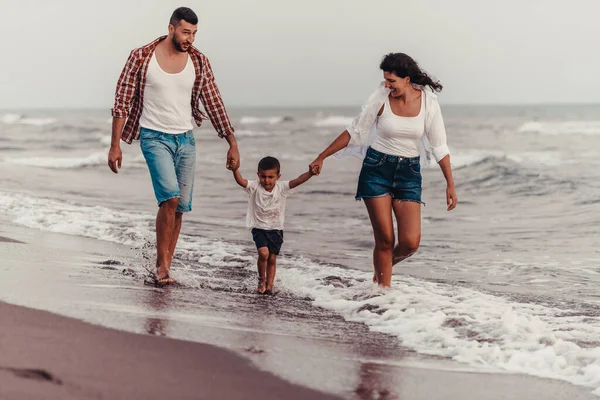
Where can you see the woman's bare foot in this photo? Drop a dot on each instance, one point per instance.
(262, 286)
(162, 277)
(269, 290)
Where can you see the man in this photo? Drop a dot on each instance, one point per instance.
(157, 95)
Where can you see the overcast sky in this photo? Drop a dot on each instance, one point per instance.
(69, 53)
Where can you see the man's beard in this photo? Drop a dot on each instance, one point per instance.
(178, 46)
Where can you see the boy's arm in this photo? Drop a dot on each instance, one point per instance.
(301, 179)
(239, 178)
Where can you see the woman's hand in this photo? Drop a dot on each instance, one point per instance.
(451, 198)
(316, 166)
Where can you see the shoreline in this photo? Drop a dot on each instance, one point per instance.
(73, 283)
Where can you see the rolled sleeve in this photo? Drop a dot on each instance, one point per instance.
(126, 87)
(437, 136)
(213, 102)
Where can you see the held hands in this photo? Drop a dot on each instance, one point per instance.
(233, 165)
(451, 198)
(316, 166)
(233, 158)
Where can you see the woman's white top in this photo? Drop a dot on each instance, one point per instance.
(363, 129)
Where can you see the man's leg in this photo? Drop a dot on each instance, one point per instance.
(185, 168)
(165, 226)
(159, 151)
(175, 236)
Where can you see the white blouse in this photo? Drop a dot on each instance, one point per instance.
(363, 130)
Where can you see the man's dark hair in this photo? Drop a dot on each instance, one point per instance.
(183, 13)
(269, 163)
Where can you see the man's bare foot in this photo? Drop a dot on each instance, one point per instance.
(261, 286)
(269, 290)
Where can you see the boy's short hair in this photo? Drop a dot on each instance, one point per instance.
(269, 163)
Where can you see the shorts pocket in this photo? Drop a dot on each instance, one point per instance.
(374, 159)
(415, 168)
(147, 134)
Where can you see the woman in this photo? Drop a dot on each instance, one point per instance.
(400, 127)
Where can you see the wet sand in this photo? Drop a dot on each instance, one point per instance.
(54, 357)
(49, 356)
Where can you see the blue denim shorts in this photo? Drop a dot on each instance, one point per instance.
(382, 174)
(171, 161)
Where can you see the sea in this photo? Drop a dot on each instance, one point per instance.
(507, 282)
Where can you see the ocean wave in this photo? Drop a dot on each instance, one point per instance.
(247, 120)
(334, 120)
(458, 323)
(250, 133)
(470, 158)
(12, 119)
(561, 127)
(437, 319)
(91, 160)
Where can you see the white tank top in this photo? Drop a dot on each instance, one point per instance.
(168, 99)
(399, 136)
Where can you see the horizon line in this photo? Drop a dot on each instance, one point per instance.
(306, 106)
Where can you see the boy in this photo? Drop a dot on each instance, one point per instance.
(266, 212)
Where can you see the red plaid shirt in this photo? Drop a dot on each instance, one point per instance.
(129, 96)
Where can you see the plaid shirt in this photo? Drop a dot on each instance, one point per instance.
(129, 96)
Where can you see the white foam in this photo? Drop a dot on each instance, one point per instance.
(470, 157)
(561, 127)
(481, 330)
(334, 120)
(38, 121)
(58, 216)
(459, 323)
(10, 119)
(95, 159)
(249, 133)
(258, 120)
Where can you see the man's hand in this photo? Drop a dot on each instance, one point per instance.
(233, 158)
(115, 157)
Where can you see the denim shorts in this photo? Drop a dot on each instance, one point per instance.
(382, 174)
(273, 239)
(171, 161)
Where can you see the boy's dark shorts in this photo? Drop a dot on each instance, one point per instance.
(273, 239)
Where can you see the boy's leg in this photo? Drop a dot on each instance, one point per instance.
(263, 256)
(271, 269)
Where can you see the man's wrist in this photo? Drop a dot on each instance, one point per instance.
(231, 140)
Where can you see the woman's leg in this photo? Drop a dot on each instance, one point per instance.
(380, 214)
(408, 216)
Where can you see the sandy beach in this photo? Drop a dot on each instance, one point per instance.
(49, 356)
(46, 356)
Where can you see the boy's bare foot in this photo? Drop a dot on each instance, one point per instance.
(261, 286)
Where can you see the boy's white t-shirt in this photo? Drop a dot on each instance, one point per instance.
(266, 210)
